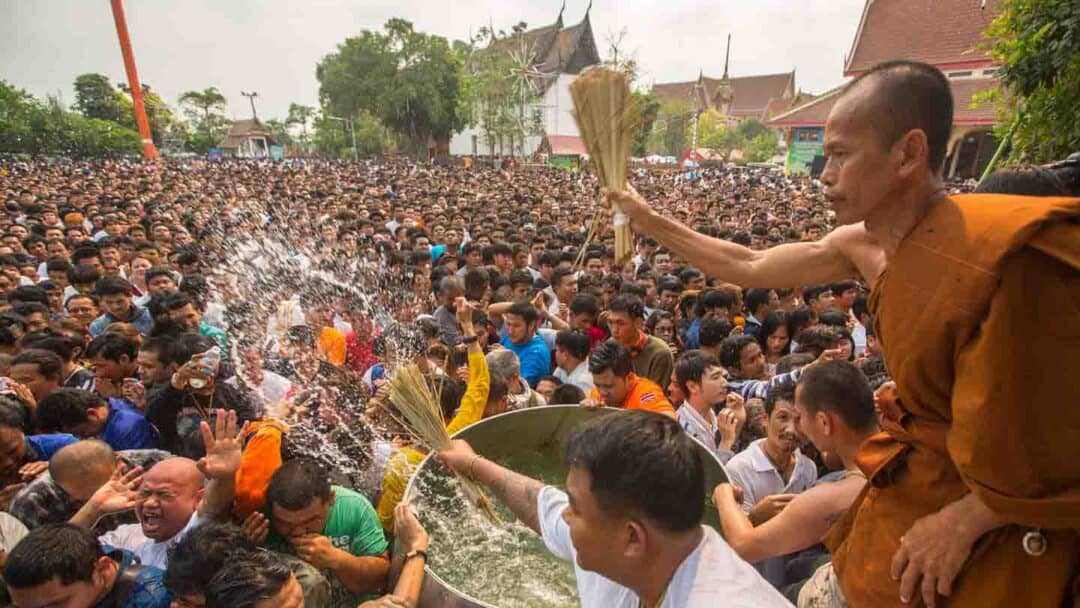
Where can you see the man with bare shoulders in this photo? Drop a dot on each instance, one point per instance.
(962, 505)
(835, 410)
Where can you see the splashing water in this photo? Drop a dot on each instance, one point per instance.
(504, 564)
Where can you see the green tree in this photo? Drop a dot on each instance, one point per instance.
(671, 131)
(752, 128)
(163, 124)
(332, 137)
(300, 114)
(1038, 45)
(206, 110)
(30, 126)
(280, 131)
(96, 97)
(409, 80)
(761, 148)
(650, 108)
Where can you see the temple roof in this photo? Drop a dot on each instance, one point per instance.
(939, 32)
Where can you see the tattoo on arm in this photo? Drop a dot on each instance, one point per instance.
(519, 493)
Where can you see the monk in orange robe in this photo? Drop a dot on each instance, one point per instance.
(974, 493)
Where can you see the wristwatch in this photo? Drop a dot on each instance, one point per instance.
(414, 553)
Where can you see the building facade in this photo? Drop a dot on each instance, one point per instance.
(944, 33)
(555, 54)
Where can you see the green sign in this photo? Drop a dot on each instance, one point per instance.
(805, 145)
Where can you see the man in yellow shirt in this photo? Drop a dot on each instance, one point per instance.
(403, 464)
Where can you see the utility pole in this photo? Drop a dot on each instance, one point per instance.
(251, 97)
(148, 150)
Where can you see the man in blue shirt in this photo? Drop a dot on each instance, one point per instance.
(520, 321)
(115, 294)
(86, 415)
(62, 564)
(23, 457)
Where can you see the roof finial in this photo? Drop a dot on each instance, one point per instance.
(587, 9)
(727, 55)
(559, 21)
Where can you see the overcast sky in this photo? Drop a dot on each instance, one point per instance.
(272, 46)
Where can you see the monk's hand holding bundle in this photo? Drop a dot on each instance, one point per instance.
(608, 117)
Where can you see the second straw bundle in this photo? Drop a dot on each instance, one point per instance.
(608, 118)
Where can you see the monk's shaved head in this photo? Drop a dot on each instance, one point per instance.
(900, 96)
(82, 467)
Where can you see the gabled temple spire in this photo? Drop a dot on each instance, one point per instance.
(727, 55)
(559, 21)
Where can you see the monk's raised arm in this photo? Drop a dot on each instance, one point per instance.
(789, 265)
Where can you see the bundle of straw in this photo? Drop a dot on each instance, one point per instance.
(415, 397)
(608, 117)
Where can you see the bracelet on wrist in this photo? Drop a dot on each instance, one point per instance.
(472, 462)
(469, 339)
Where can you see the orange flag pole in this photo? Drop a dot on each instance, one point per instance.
(148, 149)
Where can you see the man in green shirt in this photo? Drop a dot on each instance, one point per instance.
(186, 311)
(330, 527)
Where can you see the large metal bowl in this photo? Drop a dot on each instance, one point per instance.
(530, 429)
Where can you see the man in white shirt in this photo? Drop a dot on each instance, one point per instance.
(701, 379)
(771, 471)
(170, 499)
(630, 518)
(572, 359)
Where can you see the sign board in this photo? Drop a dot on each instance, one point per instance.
(277, 152)
(806, 143)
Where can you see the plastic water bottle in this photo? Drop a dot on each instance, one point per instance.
(209, 363)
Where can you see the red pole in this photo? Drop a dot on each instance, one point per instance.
(148, 149)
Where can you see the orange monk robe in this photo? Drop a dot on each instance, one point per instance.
(332, 345)
(979, 318)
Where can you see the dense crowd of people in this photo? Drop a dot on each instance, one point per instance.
(195, 407)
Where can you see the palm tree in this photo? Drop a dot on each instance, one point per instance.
(204, 100)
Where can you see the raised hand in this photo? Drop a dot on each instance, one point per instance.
(31, 470)
(407, 528)
(120, 493)
(134, 391)
(728, 425)
(768, 507)
(223, 446)
(256, 527)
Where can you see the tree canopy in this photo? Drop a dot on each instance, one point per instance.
(407, 79)
(1038, 45)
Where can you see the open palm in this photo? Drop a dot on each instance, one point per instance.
(120, 493)
(223, 446)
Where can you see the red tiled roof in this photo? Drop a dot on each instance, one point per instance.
(567, 144)
(752, 93)
(815, 113)
(940, 32)
(810, 114)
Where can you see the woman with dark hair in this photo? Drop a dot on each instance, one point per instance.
(774, 339)
(661, 324)
(846, 344)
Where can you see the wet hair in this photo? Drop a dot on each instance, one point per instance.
(525, 310)
(643, 464)
(65, 408)
(297, 483)
(714, 298)
(200, 554)
(713, 331)
(773, 321)
(112, 346)
(838, 387)
(1028, 180)
(756, 298)
(108, 286)
(907, 95)
(573, 341)
(731, 350)
(64, 552)
(568, 394)
(833, 318)
(691, 366)
(49, 363)
(29, 293)
(784, 391)
(246, 579)
(611, 356)
(585, 303)
(82, 274)
(629, 304)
